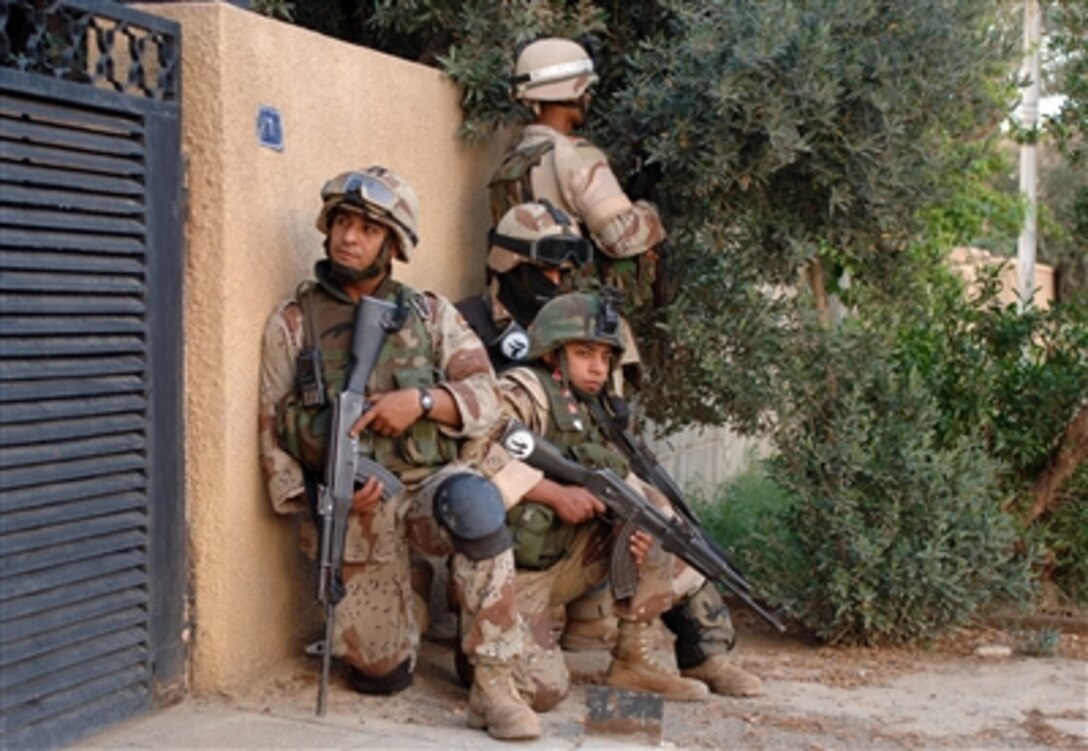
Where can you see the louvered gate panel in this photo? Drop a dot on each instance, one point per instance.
(83, 380)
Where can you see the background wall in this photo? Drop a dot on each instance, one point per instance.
(251, 239)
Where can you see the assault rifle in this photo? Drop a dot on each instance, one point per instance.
(349, 464)
(677, 534)
(643, 463)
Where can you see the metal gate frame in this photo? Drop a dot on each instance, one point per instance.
(101, 59)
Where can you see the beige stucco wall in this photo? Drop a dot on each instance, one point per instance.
(250, 239)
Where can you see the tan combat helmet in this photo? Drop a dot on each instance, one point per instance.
(537, 233)
(553, 70)
(379, 194)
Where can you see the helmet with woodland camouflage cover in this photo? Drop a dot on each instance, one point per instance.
(553, 70)
(378, 194)
(537, 233)
(575, 317)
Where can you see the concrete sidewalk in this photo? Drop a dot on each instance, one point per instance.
(219, 725)
(430, 714)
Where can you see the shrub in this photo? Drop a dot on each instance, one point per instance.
(902, 537)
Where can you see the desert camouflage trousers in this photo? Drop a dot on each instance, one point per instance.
(375, 628)
(663, 580)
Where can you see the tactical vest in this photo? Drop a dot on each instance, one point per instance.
(407, 360)
(512, 185)
(541, 538)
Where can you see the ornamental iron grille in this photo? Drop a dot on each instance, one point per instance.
(92, 554)
(100, 43)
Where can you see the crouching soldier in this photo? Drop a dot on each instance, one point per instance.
(563, 543)
(431, 390)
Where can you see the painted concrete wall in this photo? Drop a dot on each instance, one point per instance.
(250, 239)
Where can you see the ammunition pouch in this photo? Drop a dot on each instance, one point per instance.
(541, 538)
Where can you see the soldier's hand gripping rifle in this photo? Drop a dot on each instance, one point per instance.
(349, 464)
(676, 534)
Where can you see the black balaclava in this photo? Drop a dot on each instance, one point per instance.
(523, 291)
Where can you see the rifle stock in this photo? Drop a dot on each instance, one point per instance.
(677, 534)
(348, 465)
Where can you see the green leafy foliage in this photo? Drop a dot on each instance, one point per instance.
(1014, 378)
(1067, 55)
(1063, 227)
(900, 530)
(1065, 537)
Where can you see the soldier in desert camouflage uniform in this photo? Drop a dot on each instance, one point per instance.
(550, 161)
(563, 546)
(431, 391)
(533, 253)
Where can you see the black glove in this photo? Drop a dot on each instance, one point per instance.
(643, 184)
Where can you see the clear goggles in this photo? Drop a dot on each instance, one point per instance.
(367, 193)
(551, 250)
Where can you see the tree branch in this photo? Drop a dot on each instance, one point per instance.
(1071, 452)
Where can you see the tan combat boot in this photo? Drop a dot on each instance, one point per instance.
(494, 703)
(725, 678)
(586, 636)
(634, 668)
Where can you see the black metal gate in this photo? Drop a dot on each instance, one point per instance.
(93, 573)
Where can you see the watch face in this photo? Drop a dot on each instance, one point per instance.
(426, 401)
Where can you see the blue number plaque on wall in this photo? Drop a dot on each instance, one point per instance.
(270, 128)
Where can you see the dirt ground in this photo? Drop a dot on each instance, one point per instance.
(978, 689)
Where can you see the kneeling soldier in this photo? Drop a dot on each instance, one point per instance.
(431, 391)
(562, 543)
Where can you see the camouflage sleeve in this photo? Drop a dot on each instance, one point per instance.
(621, 228)
(466, 370)
(280, 345)
(524, 399)
(631, 232)
(512, 477)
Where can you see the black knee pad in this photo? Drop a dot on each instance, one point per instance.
(398, 679)
(702, 626)
(470, 508)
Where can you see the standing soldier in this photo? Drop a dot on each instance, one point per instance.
(549, 161)
(431, 390)
(563, 545)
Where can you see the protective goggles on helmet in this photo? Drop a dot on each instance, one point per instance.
(367, 193)
(551, 250)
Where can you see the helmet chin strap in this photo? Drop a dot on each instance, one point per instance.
(379, 266)
(581, 104)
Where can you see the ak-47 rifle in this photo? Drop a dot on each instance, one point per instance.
(677, 534)
(645, 464)
(349, 464)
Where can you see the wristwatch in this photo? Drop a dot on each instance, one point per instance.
(426, 401)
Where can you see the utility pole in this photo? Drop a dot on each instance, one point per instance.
(1029, 120)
